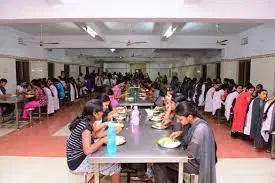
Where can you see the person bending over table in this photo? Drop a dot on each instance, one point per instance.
(40, 99)
(81, 143)
(6, 109)
(199, 144)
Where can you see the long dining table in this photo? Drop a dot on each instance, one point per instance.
(14, 99)
(139, 103)
(141, 147)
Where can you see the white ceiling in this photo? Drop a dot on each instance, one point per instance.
(138, 28)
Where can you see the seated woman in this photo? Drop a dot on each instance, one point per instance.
(40, 99)
(80, 143)
(199, 143)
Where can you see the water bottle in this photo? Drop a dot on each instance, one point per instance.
(135, 116)
(111, 140)
(126, 96)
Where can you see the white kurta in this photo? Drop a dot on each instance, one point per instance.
(217, 101)
(209, 100)
(72, 93)
(50, 105)
(55, 97)
(247, 125)
(267, 122)
(228, 103)
(201, 97)
(195, 93)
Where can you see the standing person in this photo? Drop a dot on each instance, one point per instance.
(199, 143)
(201, 93)
(240, 109)
(218, 99)
(55, 95)
(230, 99)
(257, 119)
(209, 98)
(50, 97)
(98, 83)
(81, 144)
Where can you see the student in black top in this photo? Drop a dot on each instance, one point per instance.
(80, 143)
(6, 109)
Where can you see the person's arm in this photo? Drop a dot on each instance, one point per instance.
(99, 127)
(88, 147)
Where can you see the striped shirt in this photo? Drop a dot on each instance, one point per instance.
(75, 154)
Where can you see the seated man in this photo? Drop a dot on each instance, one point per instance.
(6, 109)
(199, 144)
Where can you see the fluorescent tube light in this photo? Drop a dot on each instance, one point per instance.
(170, 31)
(89, 30)
(112, 49)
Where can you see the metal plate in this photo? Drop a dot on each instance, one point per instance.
(157, 126)
(167, 142)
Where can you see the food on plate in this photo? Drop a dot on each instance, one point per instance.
(168, 142)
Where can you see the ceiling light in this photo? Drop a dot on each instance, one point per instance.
(112, 50)
(89, 30)
(170, 31)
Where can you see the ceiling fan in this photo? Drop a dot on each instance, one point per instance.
(41, 42)
(130, 43)
(222, 42)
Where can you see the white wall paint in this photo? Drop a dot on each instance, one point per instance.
(262, 71)
(117, 67)
(230, 70)
(9, 44)
(260, 41)
(38, 69)
(193, 71)
(211, 71)
(164, 69)
(58, 67)
(74, 71)
(8, 71)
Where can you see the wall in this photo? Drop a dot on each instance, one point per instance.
(8, 71)
(164, 69)
(189, 71)
(260, 41)
(38, 69)
(9, 44)
(262, 71)
(58, 67)
(74, 71)
(230, 70)
(117, 67)
(211, 71)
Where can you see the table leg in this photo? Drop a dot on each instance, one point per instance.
(180, 176)
(96, 172)
(17, 115)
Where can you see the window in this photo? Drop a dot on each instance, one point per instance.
(218, 70)
(22, 70)
(244, 72)
(79, 70)
(50, 70)
(67, 70)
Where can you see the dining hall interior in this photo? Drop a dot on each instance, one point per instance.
(140, 91)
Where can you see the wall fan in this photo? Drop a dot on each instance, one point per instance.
(41, 42)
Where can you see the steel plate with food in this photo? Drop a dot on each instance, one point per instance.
(120, 140)
(168, 143)
(120, 117)
(156, 119)
(119, 124)
(158, 126)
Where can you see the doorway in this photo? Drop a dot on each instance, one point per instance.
(244, 72)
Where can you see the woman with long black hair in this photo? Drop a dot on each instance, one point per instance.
(81, 144)
(199, 143)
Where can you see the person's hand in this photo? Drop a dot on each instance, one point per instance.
(105, 124)
(105, 140)
(165, 123)
(118, 130)
(175, 135)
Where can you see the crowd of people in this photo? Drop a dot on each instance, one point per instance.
(247, 109)
(89, 131)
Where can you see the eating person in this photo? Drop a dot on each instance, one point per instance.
(81, 144)
(199, 143)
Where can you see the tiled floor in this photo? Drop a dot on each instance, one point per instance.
(37, 154)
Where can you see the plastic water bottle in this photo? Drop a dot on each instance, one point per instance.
(111, 140)
(135, 116)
